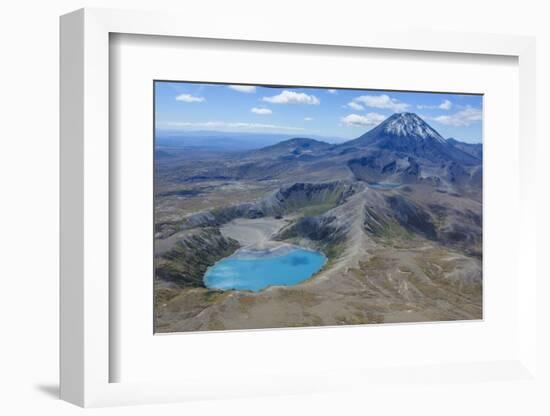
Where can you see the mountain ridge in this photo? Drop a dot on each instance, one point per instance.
(402, 149)
(295, 146)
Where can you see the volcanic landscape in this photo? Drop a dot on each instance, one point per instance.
(397, 212)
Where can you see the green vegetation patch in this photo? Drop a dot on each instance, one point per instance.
(187, 262)
(333, 251)
(314, 210)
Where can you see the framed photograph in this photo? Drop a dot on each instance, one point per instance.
(279, 205)
(292, 206)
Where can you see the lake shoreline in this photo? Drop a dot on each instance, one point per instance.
(256, 270)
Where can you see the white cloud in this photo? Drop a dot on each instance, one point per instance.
(445, 105)
(355, 106)
(462, 118)
(331, 91)
(243, 88)
(213, 125)
(368, 120)
(308, 118)
(188, 98)
(292, 97)
(382, 101)
(261, 111)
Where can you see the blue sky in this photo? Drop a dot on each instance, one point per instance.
(335, 114)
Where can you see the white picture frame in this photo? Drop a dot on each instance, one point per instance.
(85, 209)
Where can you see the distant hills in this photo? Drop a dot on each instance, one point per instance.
(293, 147)
(401, 149)
(224, 141)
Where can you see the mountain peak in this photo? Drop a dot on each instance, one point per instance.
(407, 133)
(408, 125)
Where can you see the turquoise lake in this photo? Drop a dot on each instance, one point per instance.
(256, 270)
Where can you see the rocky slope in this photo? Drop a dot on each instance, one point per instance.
(307, 197)
(190, 253)
(473, 149)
